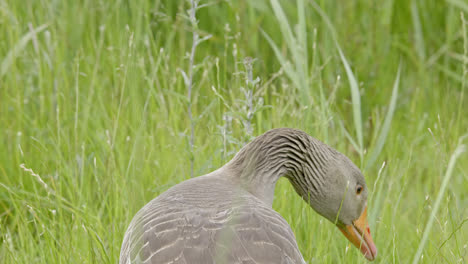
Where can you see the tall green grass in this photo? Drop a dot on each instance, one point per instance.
(94, 122)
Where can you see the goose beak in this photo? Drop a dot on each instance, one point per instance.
(359, 234)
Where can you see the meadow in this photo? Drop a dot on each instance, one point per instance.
(106, 104)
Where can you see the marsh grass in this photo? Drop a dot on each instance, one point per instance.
(94, 123)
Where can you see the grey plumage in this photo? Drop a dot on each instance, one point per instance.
(226, 216)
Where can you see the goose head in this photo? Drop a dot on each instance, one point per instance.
(326, 179)
(340, 196)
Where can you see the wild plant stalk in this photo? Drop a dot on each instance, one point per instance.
(225, 132)
(245, 110)
(39, 179)
(252, 104)
(196, 40)
(193, 20)
(248, 92)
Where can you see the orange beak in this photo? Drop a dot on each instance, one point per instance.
(359, 234)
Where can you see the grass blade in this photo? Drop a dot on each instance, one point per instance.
(13, 53)
(348, 136)
(284, 63)
(302, 36)
(295, 45)
(460, 4)
(448, 174)
(418, 35)
(387, 122)
(285, 28)
(355, 95)
(356, 99)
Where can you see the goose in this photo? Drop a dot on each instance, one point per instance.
(226, 216)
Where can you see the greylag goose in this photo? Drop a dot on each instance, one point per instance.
(226, 216)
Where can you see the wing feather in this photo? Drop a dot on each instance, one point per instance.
(244, 233)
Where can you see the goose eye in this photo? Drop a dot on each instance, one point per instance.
(359, 189)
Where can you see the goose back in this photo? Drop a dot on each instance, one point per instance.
(209, 219)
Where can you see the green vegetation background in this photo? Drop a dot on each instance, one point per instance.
(94, 123)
